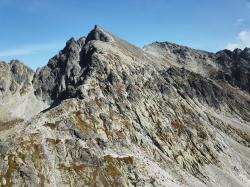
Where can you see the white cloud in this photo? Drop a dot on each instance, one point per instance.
(15, 52)
(243, 41)
(30, 49)
(244, 37)
(232, 46)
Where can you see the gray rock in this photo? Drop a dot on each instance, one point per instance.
(164, 115)
(15, 77)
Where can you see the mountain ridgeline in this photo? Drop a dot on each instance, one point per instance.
(104, 112)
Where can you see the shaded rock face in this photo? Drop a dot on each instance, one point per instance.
(195, 86)
(234, 67)
(125, 116)
(58, 79)
(230, 66)
(99, 34)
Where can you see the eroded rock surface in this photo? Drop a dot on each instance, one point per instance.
(58, 79)
(15, 77)
(234, 67)
(125, 116)
(17, 99)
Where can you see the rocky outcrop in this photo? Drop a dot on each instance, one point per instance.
(234, 67)
(99, 34)
(15, 77)
(58, 79)
(226, 65)
(198, 61)
(17, 99)
(125, 116)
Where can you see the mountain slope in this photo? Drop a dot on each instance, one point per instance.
(122, 116)
(230, 66)
(17, 99)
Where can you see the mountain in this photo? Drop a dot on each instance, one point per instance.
(107, 113)
(17, 98)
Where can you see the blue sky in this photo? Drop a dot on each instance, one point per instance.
(35, 30)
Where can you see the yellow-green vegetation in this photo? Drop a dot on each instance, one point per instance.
(194, 154)
(54, 112)
(237, 132)
(81, 124)
(23, 90)
(78, 168)
(21, 155)
(53, 141)
(10, 124)
(176, 125)
(42, 180)
(119, 160)
(12, 167)
(91, 175)
(107, 173)
(241, 135)
(97, 100)
(52, 125)
(113, 168)
(34, 149)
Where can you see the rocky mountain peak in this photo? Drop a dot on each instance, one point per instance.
(236, 53)
(98, 33)
(62, 72)
(119, 115)
(198, 61)
(246, 53)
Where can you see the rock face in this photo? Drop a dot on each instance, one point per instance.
(17, 99)
(15, 77)
(200, 62)
(164, 115)
(234, 67)
(58, 79)
(230, 66)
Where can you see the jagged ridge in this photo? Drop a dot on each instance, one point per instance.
(120, 116)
